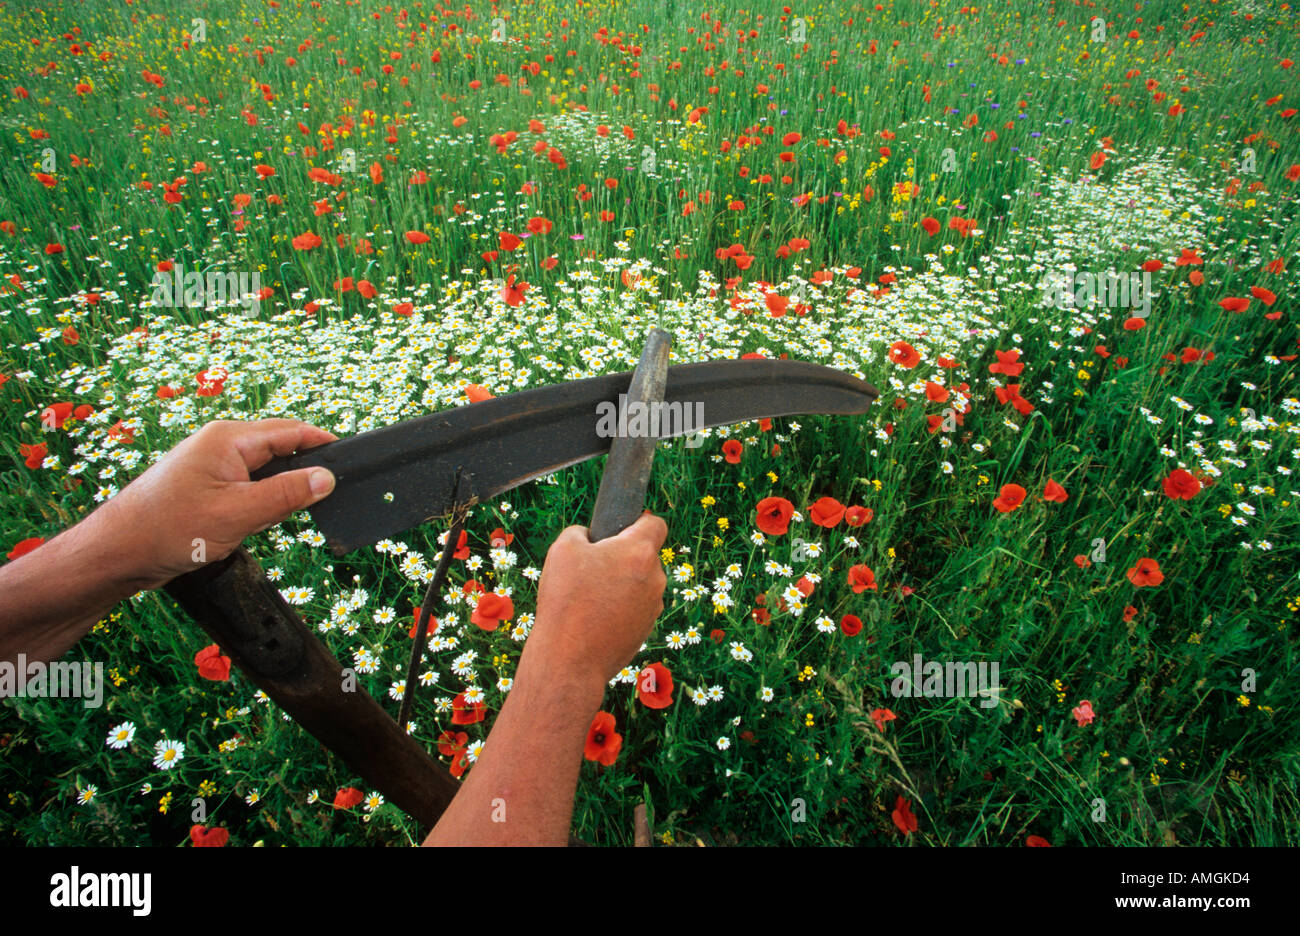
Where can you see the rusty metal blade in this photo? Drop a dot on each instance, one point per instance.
(397, 477)
(623, 483)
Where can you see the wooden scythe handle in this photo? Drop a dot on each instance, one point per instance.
(246, 615)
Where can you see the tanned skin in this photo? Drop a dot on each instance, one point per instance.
(596, 605)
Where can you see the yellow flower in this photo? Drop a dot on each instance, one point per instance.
(1243, 701)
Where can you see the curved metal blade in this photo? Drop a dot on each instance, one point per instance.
(394, 478)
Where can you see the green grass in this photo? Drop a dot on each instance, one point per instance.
(1195, 694)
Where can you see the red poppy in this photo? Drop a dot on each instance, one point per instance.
(1054, 493)
(936, 393)
(449, 742)
(467, 713)
(654, 686)
(1146, 574)
(931, 225)
(508, 241)
(512, 293)
(56, 414)
(1130, 612)
(499, 538)
(904, 355)
(307, 241)
(603, 743)
(774, 515)
(1037, 841)
(417, 237)
(415, 625)
(23, 547)
(348, 797)
(1181, 485)
(857, 516)
(478, 394)
(1266, 296)
(203, 837)
(1008, 363)
(861, 578)
(459, 762)
(212, 665)
(827, 512)
(491, 610)
(776, 304)
(33, 455)
(851, 625)
(732, 450)
(882, 717)
(1009, 498)
(1235, 304)
(902, 816)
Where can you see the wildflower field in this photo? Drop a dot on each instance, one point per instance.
(1084, 494)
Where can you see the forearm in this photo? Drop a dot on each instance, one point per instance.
(520, 791)
(52, 596)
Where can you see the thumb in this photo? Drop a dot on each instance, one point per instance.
(270, 500)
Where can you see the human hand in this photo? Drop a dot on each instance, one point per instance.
(197, 503)
(597, 602)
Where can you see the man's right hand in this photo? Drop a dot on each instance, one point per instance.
(597, 602)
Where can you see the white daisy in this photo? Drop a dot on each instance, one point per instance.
(119, 736)
(167, 754)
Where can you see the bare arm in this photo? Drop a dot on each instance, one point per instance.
(596, 604)
(144, 537)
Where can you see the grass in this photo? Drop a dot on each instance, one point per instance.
(1193, 690)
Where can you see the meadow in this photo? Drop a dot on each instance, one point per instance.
(1085, 493)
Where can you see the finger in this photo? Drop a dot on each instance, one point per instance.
(573, 534)
(260, 504)
(259, 442)
(648, 527)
